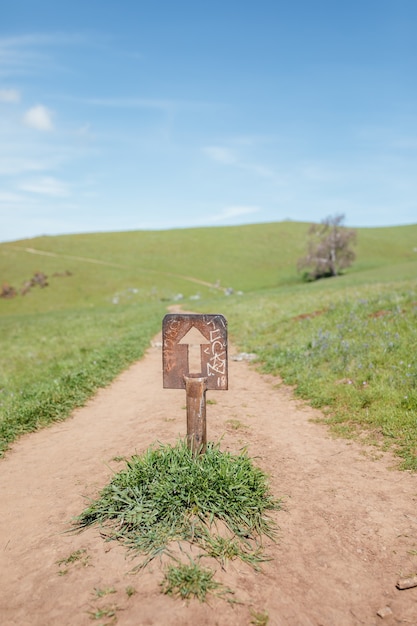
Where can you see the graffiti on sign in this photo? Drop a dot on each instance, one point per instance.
(194, 342)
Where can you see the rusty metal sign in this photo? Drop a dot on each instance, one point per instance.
(194, 345)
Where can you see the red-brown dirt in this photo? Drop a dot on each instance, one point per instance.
(347, 532)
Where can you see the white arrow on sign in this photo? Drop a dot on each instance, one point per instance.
(194, 339)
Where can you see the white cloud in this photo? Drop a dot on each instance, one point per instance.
(9, 95)
(41, 39)
(10, 198)
(207, 217)
(29, 54)
(158, 104)
(84, 131)
(10, 165)
(220, 154)
(130, 103)
(47, 186)
(39, 118)
(226, 156)
(235, 211)
(231, 212)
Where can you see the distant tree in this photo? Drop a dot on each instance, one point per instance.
(329, 249)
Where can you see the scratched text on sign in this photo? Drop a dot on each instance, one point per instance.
(180, 334)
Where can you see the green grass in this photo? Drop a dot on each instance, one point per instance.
(166, 495)
(53, 362)
(188, 581)
(130, 591)
(217, 502)
(78, 556)
(59, 344)
(259, 618)
(161, 263)
(349, 350)
(100, 593)
(105, 612)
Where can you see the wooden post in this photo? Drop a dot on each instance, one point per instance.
(185, 335)
(196, 387)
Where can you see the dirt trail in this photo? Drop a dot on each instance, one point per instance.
(348, 531)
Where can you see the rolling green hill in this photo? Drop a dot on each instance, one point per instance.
(107, 294)
(160, 264)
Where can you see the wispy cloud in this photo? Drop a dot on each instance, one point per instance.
(84, 131)
(20, 55)
(39, 117)
(19, 62)
(220, 154)
(228, 156)
(9, 95)
(10, 198)
(129, 103)
(137, 102)
(42, 39)
(28, 54)
(47, 186)
(12, 165)
(232, 212)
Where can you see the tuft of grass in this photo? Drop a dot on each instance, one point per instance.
(100, 593)
(259, 619)
(191, 581)
(130, 591)
(106, 612)
(235, 424)
(229, 548)
(78, 556)
(166, 495)
(218, 502)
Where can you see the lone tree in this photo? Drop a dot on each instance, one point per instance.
(329, 249)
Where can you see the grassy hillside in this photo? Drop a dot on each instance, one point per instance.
(163, 263)
(107, 294)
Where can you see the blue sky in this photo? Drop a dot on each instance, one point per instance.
(147, 115)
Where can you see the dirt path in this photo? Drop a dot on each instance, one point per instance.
(348, 531)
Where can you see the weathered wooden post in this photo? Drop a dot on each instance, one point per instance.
(194, 353)
(195, 388)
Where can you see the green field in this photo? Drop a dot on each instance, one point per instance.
(347, 344)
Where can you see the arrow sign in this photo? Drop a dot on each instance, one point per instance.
(196, 343)
(194, 353)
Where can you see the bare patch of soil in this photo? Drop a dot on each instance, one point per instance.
(347, 532)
